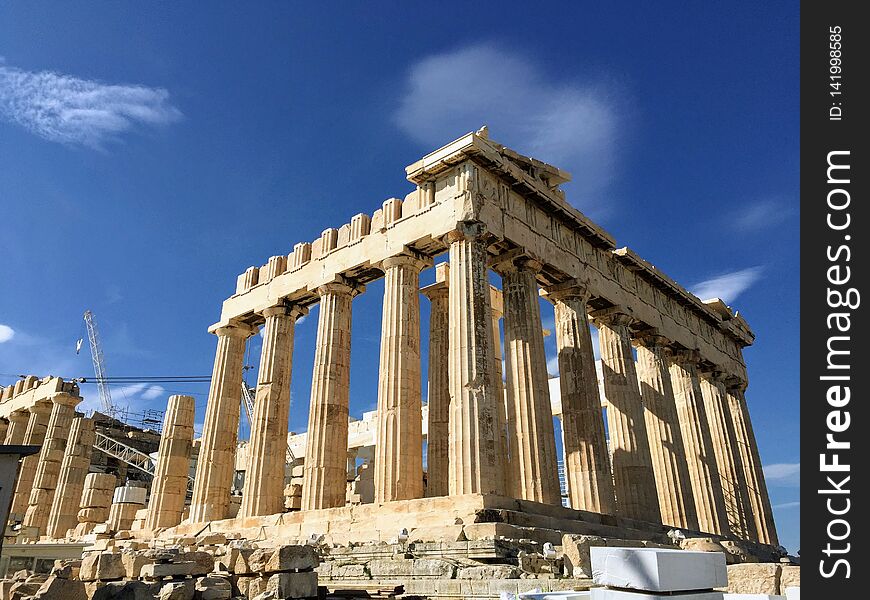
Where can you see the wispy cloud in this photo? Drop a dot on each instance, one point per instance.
(70, 110)
(6, 333)
(762, 214)
(783, 474)
(572, 124)
(786, 505)
(727, 286)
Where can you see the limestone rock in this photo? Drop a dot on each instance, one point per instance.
(576, 557)
(754, 578)
(177, 590)
(160, 570)
(701, 544)
(133, 563)
(203, 562)
(293, 585)
(212, 588)
(485, 572)
(292, 558)
(388, 568)
(57, 588)
(102, 566)
(790, 577)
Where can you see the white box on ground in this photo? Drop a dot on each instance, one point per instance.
(563, 595)
(793, 593)
(753, 597)
(658, 570)
(608, 594)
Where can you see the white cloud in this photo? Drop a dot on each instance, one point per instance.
(783, 474)
(70, 110)
(154, 391)
(727, 286)
(6, 333)
(761, 215)
(571, 124)
(553, 366)
(786, 505)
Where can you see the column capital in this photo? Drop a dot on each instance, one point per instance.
(651, 338)
(65, 399)
(734, 383)
(238, 330)
(467, 230)
(341, 286)
(439, 289)
(573, 288)
(685, 356)
(613, 316)
(407, 259)
(290, 310)
(19, 416)
(41, 407)
(518, 259)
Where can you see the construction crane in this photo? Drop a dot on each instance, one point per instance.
(99, 364)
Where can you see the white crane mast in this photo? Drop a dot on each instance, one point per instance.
(99, 364)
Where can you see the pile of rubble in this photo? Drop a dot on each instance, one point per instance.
(210, 567)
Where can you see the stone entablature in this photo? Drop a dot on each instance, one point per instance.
(521, 206)
(31, 390)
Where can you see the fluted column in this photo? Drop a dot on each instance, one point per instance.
(663, 432)
(703, 471)
(34, 435)
(476, 452)
(17, 427)
(325, 471)
(587, 464)
(633, 476)
(533, 460)
(756, 487)
(216, 462)
(50, 459)
(399, 444)
(263, 492)
(437, 438)
(727, 455)
(169, 486)
(71, 481)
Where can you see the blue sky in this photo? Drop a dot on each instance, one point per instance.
(149, 156)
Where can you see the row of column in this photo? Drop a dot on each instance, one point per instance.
(681, 447)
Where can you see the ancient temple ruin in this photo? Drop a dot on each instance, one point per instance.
(672, 449)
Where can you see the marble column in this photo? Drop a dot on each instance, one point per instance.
(496, 300)
(587, 464)
(476, 464)
(703, 470)
(216, 462)
(533, 459)
(756, 487)
(171, 473)
(17, 427)
(437, 446)
(263, 492)
(728, 461)
(663, 432)
(37, 424)
(50, 459)
(4, 428)
(633, 476)
(399, 443)
(71, 481)
(325, 470)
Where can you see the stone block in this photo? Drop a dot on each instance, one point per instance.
(789, 577)
(203, 562)
(176, 590)
(608, 594)
(212, 539)
(212, 588)
(753, 578)
(656, 570)
(133, 563)
(101, 566)
(161, 570)
(56, 588)
(241, 561)
(292, 558)
(129, 495)
(293, 585)
(390, 568)
(576, 556)
(486, 572)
